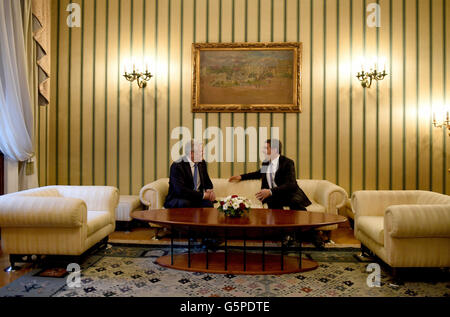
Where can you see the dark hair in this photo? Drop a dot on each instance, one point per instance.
(275, 144)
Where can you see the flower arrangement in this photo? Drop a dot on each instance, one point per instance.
(234, 206)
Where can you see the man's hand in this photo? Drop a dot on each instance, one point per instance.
(212, 194)
(263, 194)
(209, 195)
(236, 178)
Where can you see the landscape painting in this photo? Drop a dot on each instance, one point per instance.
(246, 77)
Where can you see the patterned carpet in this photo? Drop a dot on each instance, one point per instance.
(130, 271)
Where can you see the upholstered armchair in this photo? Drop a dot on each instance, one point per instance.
(57, 220)
(404, 228)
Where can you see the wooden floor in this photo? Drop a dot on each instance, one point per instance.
(341, 237)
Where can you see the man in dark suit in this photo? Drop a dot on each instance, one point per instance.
(279, 186)
(189, 183)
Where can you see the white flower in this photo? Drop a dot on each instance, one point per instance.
(235, 202)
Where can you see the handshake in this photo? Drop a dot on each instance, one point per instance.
(209, 195)
(261, 195)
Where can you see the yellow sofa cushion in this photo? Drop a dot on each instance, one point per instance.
(315, 207)
(373, 226)
(96, 220)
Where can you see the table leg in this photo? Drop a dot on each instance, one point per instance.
(207, 258)
(189, 248)
(171, 244)
(226, 251)
(282, 251)
(245, 252)
(263, 252)
(299, 240)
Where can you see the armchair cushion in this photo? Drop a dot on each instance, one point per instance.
(373, 227)
(315, 207)
(97, 220)
(248, 189)
(127, 204)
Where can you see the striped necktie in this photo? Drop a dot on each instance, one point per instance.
(195, 176)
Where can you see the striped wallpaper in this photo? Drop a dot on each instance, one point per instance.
(100, 129)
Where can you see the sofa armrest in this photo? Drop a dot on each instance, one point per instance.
(347, 210)
(153, 194)
(375, 202)
(417, 221)
(97, 198)
(331, 196)
(23, 211)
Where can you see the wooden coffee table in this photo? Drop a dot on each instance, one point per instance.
(260, 223)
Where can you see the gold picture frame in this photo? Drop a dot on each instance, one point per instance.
(246, 77)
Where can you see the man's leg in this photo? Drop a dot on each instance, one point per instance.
(206, 204)
(210, 243)
(295, 204)
(313, 235)
(273, 204)
(178, 203)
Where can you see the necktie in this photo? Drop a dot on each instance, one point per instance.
(195, 176)
(270, 175)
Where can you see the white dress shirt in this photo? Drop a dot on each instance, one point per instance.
(271, 170)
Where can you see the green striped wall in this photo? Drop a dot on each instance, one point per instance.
(104, 130)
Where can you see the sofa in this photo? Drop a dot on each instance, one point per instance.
(404, 228)
(57, 220)
(325, 196)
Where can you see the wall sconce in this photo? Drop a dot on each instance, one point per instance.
(441, 123)
(366, 77)
(141, 77)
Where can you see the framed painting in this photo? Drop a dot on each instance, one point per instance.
(246, 77)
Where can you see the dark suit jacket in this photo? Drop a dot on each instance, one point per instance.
(287, 188)
(181, 181)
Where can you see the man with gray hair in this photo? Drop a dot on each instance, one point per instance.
(189, 182)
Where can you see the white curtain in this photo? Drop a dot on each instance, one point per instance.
(16, 116)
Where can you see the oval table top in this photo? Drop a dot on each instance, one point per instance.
(257, 218)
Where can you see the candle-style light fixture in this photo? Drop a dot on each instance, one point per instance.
(141, 77)
(442, 122)
(371, 71)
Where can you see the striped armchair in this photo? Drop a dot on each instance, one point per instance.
(57, 220)
(405, 228)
